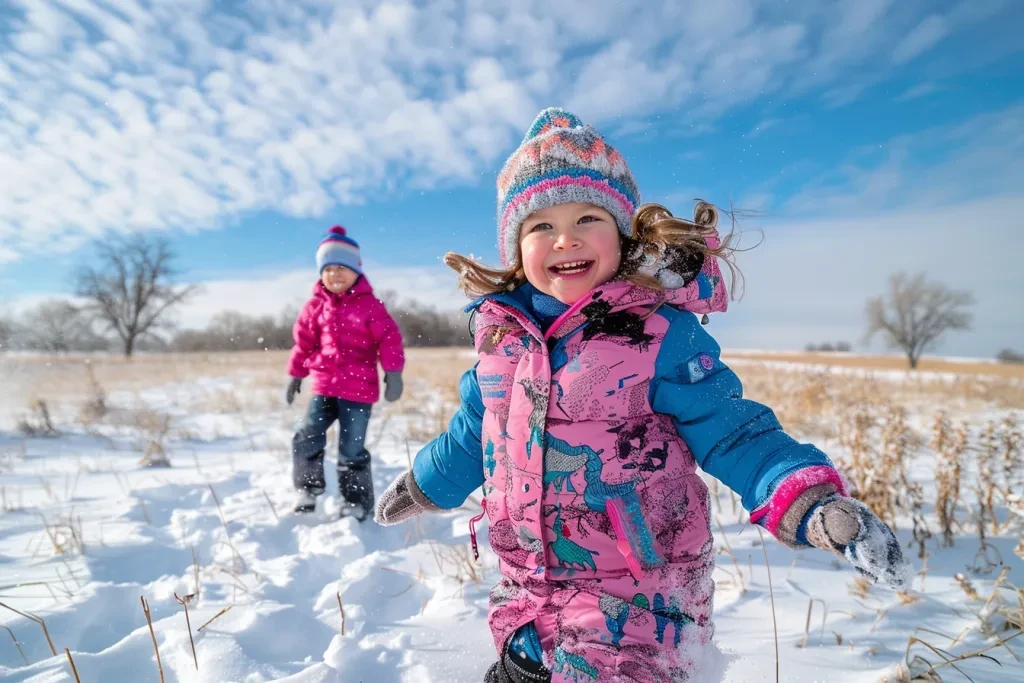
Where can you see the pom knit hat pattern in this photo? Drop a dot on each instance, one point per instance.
(338, 249)
(561, 160)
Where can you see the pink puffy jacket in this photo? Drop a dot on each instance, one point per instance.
(340, 337)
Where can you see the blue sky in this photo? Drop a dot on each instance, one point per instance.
(872, 135)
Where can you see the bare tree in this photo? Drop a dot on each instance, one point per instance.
(131, 291)
(58, 327)
(917, 313)
(6, 333)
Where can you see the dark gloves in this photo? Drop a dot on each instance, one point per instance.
(393, 384)
(294, 387)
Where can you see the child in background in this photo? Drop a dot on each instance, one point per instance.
(596, 397)
(340, 335)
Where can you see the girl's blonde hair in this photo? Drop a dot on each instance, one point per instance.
(657, 234)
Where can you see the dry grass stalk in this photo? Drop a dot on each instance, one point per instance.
(966, 586)
(771, 593)
(898, 447)
(152, 634)
(38, 620)
(195, 572)
(950, 447)
(807, 624)
(95, 407)
(271, 504)
(920, 669)
(988, 451)
(236, 558)
(16, 644)
(1004, 609)
(341, 610)
(188, 624)
(74, 669)
(214, 618)
(65, 534)
(728, 550)
(38, 422)
(1012, 458)
(859, 587)
(153, 429)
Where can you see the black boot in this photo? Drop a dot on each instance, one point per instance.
(496, 674)
(509, 671)
(355, 484)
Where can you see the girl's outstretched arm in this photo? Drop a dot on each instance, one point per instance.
(447, 469)
(738, 441)
(790, 488)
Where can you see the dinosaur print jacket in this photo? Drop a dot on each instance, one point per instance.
(586, 440)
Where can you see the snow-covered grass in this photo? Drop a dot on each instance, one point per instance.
(86, 532)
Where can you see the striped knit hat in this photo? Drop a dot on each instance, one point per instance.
(561, 160)
(338, 249)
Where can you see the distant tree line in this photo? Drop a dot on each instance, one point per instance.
(59, 326)
(127, 295)
(830, 347)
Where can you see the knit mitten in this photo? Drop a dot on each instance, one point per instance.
(393, 386)
(848, 528)
(294, 387)
(402, 500)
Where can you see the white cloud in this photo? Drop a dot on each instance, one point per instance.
(763, 126)
(982, 156)
(141, 114)
(925, 36)
(918, 91)
(8, 255)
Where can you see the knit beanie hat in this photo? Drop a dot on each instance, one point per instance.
(561, 160)
(338, 249)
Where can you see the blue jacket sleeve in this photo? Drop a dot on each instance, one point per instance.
(737, 441)
(450, 467)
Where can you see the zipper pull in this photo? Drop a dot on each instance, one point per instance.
(472, 528)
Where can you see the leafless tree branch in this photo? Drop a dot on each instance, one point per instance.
(131, 289)
(916, 313)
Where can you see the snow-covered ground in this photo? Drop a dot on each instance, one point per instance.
(86, 533)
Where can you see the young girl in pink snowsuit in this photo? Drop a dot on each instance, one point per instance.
(596, 397)
(341, 334)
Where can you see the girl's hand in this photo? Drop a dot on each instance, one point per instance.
(848, 528)
(393, 386)
(294, 387)
(402, 500)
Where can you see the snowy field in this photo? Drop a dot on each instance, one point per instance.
(87, 534)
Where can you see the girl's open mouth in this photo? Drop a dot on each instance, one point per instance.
(571, 269)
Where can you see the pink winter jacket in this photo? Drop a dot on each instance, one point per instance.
(339, 339)
(589, 435)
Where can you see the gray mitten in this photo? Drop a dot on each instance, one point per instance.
(294, 387)
(393, 386)
(402, 500)
(849, 528)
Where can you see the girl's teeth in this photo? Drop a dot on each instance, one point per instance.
(570, 268)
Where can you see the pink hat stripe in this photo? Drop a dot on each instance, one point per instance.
(563, 181)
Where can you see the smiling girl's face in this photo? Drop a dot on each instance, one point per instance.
(569, 249)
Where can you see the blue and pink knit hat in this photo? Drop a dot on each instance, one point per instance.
(338, 249)
(561, 160)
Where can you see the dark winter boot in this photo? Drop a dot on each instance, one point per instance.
(305, 501)
(510, 671)
(355, 484)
